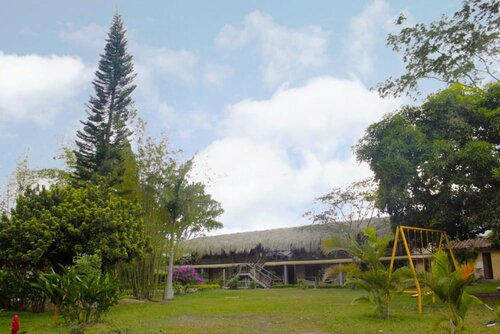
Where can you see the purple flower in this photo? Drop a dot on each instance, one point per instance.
(186, 275)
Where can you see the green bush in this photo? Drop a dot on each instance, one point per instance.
(284, 286)
(200, 287)
(82, 293)
(233, 283)
(179, 289)
(16, 292)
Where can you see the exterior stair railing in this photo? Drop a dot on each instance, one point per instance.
(259, 274)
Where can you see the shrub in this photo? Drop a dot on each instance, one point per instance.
(200, 287)
(82, 293)
(179, 289)
(284, 286)
(375, 278)
(233, 283)
(449, 286)
(16, 292)
(186, 275)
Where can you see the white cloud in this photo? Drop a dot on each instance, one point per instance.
(367, 30)
(92, 36)
(180, 65)
(274, 156)
(285, 52)
(215, 74)
(36, 88)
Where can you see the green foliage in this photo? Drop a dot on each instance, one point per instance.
(349, 208)
(51, 226)
(82, 294)
(371, 274)
(233, 283)
(105, 134)
(189, 212)
(449, 286)
(201, 287)
(17, 293)
(462, 48)
(436, 163)
(154, 163)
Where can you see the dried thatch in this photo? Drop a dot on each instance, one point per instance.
(476, 243)
(307, 238)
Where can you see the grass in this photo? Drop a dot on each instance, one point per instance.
(262, 311)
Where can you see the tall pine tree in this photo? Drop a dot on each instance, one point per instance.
(101, 142)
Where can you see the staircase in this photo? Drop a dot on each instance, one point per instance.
(257, 273)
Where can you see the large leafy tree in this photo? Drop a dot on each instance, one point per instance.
(438, 164)
(49, 227)
(105, 134)
(463, 48)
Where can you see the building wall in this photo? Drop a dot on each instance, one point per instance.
(495, 263)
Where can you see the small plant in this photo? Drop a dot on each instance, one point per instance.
(233, 283)
(82, 293)
(449, 286)
(179, 288)
(375, 278)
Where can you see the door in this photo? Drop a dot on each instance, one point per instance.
(487, 267)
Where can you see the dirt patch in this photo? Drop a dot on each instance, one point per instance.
(130, 301)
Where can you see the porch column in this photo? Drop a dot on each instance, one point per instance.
(285, 274)
(224, 276)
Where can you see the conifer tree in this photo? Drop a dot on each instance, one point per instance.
(105, 134)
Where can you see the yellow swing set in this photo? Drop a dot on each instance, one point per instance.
(419, 244)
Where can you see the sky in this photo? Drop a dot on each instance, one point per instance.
(269, 96)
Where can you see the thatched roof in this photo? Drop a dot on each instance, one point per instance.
(476, 243)
(306, 238)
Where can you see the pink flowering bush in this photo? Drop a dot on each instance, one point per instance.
(186, 275)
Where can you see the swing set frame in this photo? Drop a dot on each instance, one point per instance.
(403, 233)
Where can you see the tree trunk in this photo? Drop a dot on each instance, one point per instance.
(169, 290)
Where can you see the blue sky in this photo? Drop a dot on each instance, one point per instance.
(269, 95)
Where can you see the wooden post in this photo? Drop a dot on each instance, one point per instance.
(224, 276)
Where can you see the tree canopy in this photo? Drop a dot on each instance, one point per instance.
(463, 48)
(438, 164)
(105, 133)
(49, 227)
(351, 208)
(189, 211)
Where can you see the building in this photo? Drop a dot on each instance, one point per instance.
(285, 255)
(487, 258)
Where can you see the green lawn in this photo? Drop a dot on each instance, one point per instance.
(263, 311)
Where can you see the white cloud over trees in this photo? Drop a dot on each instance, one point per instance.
(272, 157)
